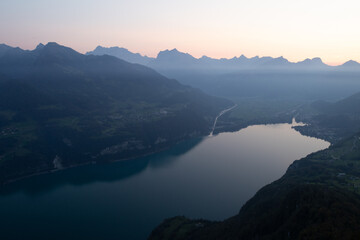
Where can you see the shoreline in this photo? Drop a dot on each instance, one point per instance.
(14, 180)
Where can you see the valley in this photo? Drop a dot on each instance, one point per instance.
(69, 114)
(179, 120)
(59, 106)
(194, 178)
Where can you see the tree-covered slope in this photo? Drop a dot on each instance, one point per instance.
(331, 121)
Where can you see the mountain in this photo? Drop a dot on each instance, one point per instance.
(174, 59)
(39, 46)
(332, 121)
(260, 77)
(4, 48)
(350, 66)
(317, 198)
(121, 53)
(60, 108)
(315, 63)
(170, 59)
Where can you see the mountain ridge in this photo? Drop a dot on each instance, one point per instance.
(241, 62)
(100, 50)
(236, 63)
(121, 53)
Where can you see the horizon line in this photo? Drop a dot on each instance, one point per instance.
(331, 64)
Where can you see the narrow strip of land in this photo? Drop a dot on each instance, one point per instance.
(220, 114)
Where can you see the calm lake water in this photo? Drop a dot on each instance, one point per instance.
(203, 178)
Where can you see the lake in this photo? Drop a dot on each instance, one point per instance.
(207, 178)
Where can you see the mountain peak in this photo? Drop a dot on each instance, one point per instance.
(317, 60)
(99, 48)
(351, 63)
(53, 52)
(39, 46)
(4, 48)
(242, 57)
(204, 57)
(53, 44)
(173, 59)
(121, 53)
(174, 53)
(115, 48)
(174, 50)
(4, 45)
(312, 62)
(55, 47)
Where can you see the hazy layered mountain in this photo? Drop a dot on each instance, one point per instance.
(260, 77)
(121, 53)
(350, 66)
(315, 62)
(170, 59)
(331, 121)
(3, 49)
(60, 108)
(173, 59)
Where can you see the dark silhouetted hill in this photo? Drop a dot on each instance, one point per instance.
(60, 108)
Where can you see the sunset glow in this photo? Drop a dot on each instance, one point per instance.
(293, 29)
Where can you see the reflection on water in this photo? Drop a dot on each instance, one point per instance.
(203, 178)
(98, 172)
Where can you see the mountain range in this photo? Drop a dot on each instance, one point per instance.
(61, 109)
(121, 53)
(174, 59)
(259, 77)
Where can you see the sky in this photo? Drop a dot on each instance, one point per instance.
(293, 29)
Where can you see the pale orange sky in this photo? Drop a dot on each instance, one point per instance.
(293, 29)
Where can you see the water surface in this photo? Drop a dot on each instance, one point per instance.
(203, 178)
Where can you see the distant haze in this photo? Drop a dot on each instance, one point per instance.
(294, 29)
